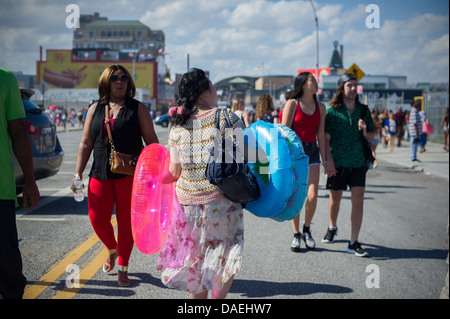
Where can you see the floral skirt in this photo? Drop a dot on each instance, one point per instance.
(204, 246)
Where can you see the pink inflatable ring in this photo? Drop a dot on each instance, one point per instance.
(151, 202)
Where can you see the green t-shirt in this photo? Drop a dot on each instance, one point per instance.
(345, 144)
(11, 108)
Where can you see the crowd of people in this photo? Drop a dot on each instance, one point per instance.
(64, 117)
(204, 248)
(411, 125)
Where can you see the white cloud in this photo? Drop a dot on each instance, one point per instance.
(235, 37)
(403, 47)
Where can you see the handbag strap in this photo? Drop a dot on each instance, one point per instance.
(293, 114)
(364, 109)
(108, 126)
(227, 119)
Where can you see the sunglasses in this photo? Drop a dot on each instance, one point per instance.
(123, 78)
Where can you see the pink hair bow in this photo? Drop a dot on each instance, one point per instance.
(175, 110)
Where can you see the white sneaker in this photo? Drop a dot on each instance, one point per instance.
(295, 246)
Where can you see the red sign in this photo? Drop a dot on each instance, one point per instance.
(322, 72)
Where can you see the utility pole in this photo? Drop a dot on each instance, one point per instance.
(188, 68)
(317, 41)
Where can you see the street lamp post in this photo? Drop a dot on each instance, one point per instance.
(134, 59)
(317, 41)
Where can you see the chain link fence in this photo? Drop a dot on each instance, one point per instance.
(435, 105)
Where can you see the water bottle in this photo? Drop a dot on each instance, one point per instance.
(78, 185)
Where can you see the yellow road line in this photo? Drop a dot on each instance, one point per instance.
(60, 268)
(85, 275)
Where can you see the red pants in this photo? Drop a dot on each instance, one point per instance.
(101, 198)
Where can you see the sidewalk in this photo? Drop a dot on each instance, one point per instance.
(434, 161)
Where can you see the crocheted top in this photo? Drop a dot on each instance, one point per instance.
(194, 140)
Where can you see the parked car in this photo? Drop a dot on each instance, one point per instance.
(163, 120)
(47, 151)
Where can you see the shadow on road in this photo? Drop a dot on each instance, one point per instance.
(261, 289)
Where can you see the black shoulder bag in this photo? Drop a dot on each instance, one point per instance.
(231, 175)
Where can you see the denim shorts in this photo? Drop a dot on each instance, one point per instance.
(312, 150)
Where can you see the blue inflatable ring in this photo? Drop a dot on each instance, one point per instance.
(301, 171)
(284, 188)
(275, 180)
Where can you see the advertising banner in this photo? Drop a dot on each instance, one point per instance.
(322, 72)
(60, 71)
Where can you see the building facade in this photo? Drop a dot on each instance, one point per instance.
(127, 42)
(120, 39)
(123, 36)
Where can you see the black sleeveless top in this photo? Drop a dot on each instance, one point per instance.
(125, 133)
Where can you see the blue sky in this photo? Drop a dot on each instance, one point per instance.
(251, 37)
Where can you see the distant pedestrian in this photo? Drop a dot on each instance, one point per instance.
(306, 116)
(415, 129)
(376, 140)
(423, 136)
(238, 108)
(399, 116)
(344, 125)
(64, 118)
(265, 110)
(73, 117)
(445, 129)
(391, 127)
(13, 134)
(383, 116)
(249, 116)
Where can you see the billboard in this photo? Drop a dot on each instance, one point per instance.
(322, 72)
(60, 71)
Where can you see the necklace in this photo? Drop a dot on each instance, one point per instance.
(114, 112)
(118, 104)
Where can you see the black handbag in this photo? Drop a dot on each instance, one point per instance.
(370, 159)
(229, 173)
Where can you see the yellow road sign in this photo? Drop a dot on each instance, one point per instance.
(420, 98)
(356, 71)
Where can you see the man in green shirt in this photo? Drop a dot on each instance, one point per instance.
(343, 126)
(13, 133)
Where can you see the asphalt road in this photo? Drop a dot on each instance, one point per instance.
(404, 230)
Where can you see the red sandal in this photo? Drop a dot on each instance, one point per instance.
(122, 277)
(110, 262)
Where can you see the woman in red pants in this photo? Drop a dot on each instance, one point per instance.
(130, 123)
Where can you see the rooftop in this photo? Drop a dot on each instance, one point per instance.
(105, 24)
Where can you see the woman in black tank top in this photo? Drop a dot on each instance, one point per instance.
(131, 123)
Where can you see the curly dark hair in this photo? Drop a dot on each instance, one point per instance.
(264, 106)
(192, 85)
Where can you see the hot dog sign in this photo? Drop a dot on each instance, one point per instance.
(67, 79)
(62, 71)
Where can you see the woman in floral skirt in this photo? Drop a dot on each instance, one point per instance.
(204, 247)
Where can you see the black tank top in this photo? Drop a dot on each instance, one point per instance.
(125, 133)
